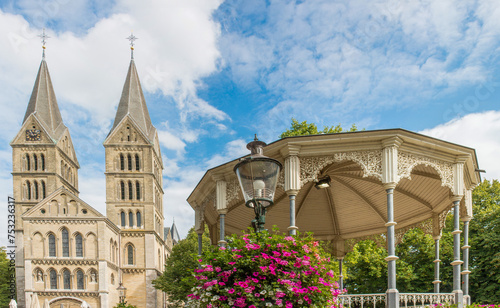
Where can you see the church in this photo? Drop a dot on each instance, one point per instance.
(67, 252)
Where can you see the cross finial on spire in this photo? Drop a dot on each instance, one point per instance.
(44, 38)
(132, 38)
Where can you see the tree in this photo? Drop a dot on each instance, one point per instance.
(5, 278)
(485, 244)
(177, 280)
(124, 305)
(304, 128)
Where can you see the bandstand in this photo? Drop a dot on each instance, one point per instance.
(374, 182)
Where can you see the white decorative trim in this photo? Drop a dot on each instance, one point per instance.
(370, 162)
(233, 191)
(407, 161)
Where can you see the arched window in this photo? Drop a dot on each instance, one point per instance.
(130, 219)
(42, 160)
(122, 218)
(28, 162)
(122, 162)
(79, 280)
(112, 252)
(65, 243)
(67, 279)
(53, 279)
(28, 190)
(52, 245)
(130, 255)
(137, 162)
(139, 219)
(35, 162)
(62, 168)
(112, 279)
(122, 190)
(35, 184)
(130, 191)
(44, 190)
(129, 161)
(138, 190)
(79, 245)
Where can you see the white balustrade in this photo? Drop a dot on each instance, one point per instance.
(407, 300)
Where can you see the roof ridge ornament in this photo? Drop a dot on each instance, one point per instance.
(44, 38)
(132, 38)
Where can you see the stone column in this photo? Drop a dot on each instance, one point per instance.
(292, 183)
(389, 180)
(221, 205)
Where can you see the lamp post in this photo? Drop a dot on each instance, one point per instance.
(122, 292)
(258, 176)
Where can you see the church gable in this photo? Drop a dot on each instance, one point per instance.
(156, 146)
(65, 144)
(32, 132)
(127, 132)
(63, 203)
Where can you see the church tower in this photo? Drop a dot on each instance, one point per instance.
(134, 193)
(43, 158)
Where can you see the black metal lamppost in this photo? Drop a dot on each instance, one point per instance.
(258, 176)
(122, 292)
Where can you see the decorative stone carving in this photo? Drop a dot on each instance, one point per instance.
(370, 162)
(39, 276)
(407, 161)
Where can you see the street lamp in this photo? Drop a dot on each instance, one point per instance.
(122, 292)
(258, 176)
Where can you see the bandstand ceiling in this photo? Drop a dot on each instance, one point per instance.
(355, 205)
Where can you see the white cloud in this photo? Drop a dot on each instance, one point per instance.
(342, 57)
(232, 150)
(480, 131)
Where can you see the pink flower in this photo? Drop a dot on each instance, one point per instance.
(231, 291)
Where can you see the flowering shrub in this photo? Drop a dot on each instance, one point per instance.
(266, 270)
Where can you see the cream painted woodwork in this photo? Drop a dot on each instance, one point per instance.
(427, 173)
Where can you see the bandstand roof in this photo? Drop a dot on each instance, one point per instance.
(355, 206)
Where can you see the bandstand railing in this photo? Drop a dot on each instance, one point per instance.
(407, 300)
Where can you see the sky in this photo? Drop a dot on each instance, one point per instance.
(216, 72)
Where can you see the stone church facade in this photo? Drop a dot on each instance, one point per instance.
(68, 252)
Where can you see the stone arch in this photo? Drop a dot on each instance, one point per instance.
(38, 274)
(93, 275)
(91, 245)
(37, 248)
(129, 254)
(55, 302)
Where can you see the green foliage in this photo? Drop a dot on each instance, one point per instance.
(485, 244)
(266, 269)
(178, 279)
(5, 278)
(304, 128)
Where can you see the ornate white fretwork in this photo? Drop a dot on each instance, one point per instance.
(232, 191)
(370, 162)
(425, 226)
(407, 161)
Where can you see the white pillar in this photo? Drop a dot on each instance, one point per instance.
(292, 184)
(456, 255)
(221, 206)
(389, 180)
(466, 271)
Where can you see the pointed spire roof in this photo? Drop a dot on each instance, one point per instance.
(133, 104)
(43, 104)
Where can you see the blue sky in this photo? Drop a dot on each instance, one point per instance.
(216, 72)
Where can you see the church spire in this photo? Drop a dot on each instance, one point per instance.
(43, 104)
(133, 103)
